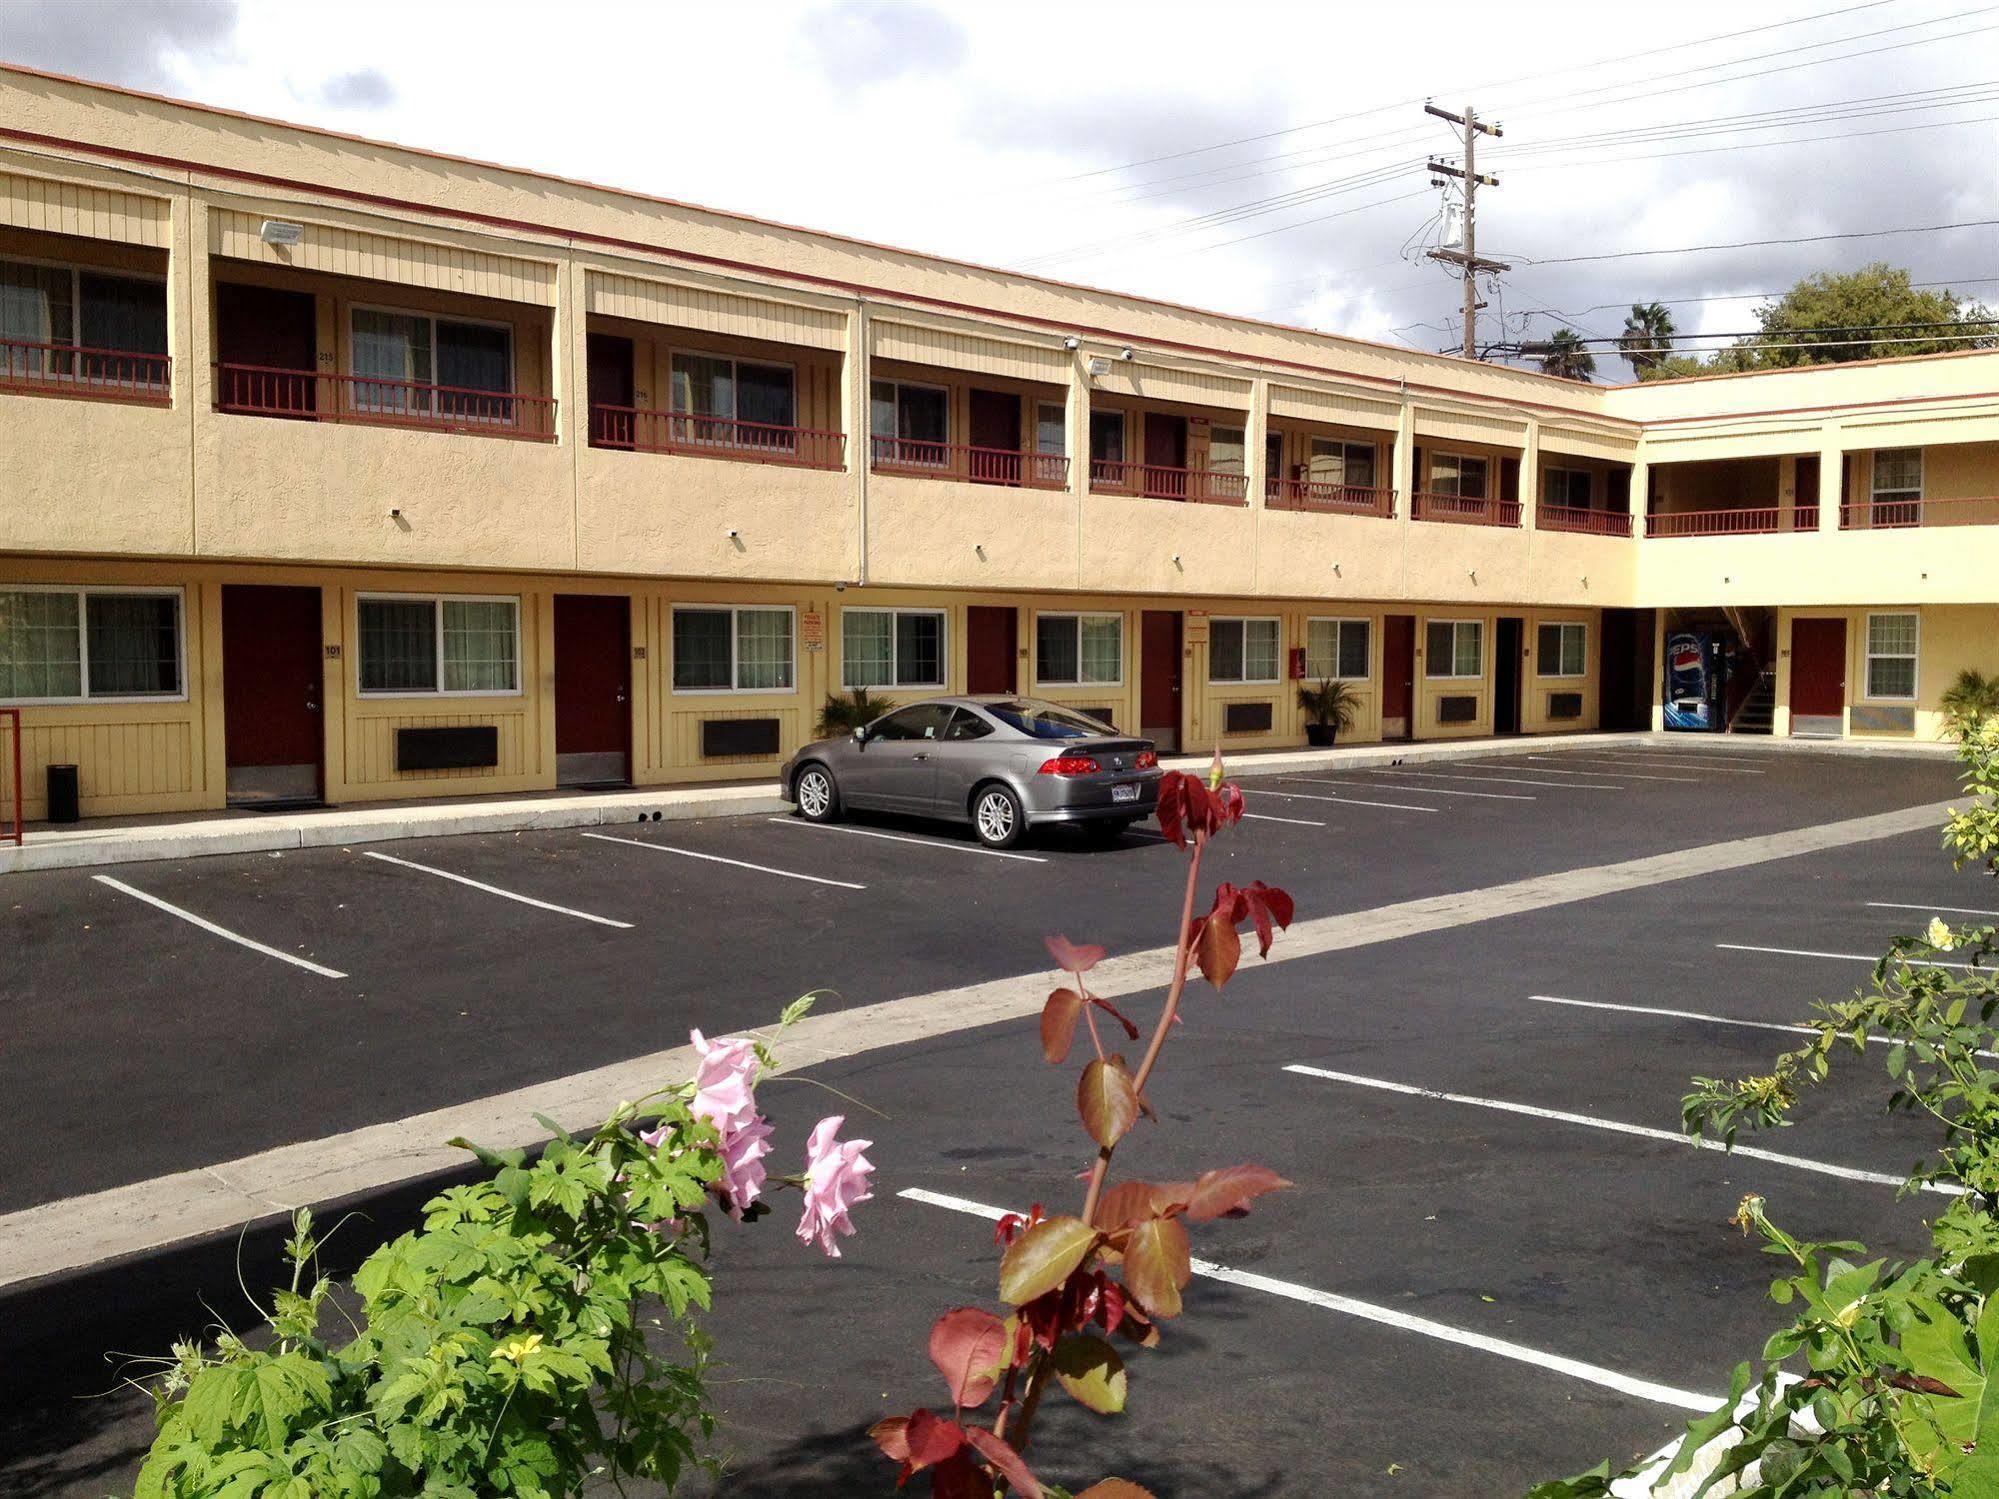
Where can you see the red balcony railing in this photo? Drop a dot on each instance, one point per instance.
(303, 395)
(1804, 517)
(95, 374)
(1337, 499)
(642, 431)
(952, 460)
(1897, 515)
(1202, 486)
(1583, 522)
(1756, 520)
(1465, 509)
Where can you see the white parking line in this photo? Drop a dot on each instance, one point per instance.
(1296, 822)
(1676, 764)
(1367, 1311)
(1346, 801)
(526, 900)
(1700, 1015)
(943, 843)
(1903, 905)
(221, 931)
(667, 848)
(1490, 796)
(1622, 775)
(1445, 775)
(1850, 957)
(1616, 1126)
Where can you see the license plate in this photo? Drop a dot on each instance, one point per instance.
(1124, 793)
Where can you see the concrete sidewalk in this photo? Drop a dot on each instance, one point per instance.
(135, 840)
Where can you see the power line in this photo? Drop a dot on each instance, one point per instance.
(1757, 244)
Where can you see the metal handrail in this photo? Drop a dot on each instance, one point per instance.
(86, 371)
(1339, 499)
(1201, 486)
(375, 400)
(1465, 509)
(923, 459)
(1754, 520)
(1582, 521)
(640, 429)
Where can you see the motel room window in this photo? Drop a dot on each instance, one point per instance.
(1342, 463)
(1242, 650)
(1561, 650)
(48, 310)
(392, 352)
(1107, 445)
(438, 646)
(1565, 488)
(910, 423)
(1337, 649)
(891, 648)
(1454, 648)
(1891, 656)
(733, 390)
(66, 645)
(1051, 429)
(1226, 450)
(1079, 650)
(730, 649)
(1460, 474)
(1897, 487)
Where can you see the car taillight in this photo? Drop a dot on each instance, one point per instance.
(1147, 760)
(1070, 765)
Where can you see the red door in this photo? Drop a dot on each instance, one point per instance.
(267, 349)
(1818, 676)
(1159, 678)
(996, 432)
(992, 649)
(272, 679)
(1398, 677)
(593, 689)
(1165, 455)
(611, 386)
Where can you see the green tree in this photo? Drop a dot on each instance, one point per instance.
(1565, 354)
(1647, 340)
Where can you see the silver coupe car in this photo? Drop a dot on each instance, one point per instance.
(1003, 764)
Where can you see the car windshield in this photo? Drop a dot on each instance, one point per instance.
(1047, 720)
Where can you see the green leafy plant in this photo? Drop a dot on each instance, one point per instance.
(537, 1332)
(1969, 700)
(1331, 704)
(1898, 1393)
(846, 711)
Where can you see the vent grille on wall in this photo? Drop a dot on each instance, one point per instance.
(1461, 708)
(454, 747)
(1565, 705)
(738, 736)
(1883, 718)
(1246, 718)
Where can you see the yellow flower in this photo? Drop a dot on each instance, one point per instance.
(516, 1350)
(1747, 1212)
(1939, 935)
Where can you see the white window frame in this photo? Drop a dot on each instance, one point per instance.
(1485, 486)
(943, 618)
(76, 269)
(734, 361)
(902, 459)
(1061, 410)
(1869, 657)
(1453, 675)
(437, 601)
(82, 592)
(1341, 449)
(1245, 620)
(1589, 486)
(430, 395)
(1342, 620)
(1581, 627)
(694, 606)
(1076, 617)
(1123, 441)
(1877, 497)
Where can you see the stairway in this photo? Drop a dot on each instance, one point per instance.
(1758, 708)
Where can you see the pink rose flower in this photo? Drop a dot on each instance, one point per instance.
(743, 1151)
(723, 1081)
(836, 1179)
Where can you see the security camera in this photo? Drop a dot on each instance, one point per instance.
(1126, 355)
(1072, 342)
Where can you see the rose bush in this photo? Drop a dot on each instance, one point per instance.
(1116, 1268)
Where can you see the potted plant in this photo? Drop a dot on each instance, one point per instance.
(1331, 705)
(847, 711)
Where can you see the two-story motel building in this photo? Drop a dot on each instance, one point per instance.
(342, 470)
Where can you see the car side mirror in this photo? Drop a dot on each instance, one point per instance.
(861, 734)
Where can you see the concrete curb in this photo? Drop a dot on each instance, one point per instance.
(82, 848)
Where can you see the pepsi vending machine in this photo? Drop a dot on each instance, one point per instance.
(1696, 679)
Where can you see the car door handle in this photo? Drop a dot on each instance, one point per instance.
(921, 755)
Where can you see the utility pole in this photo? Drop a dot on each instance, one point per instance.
(1467, 259)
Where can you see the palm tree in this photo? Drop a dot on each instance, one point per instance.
(1566, 355)
(1647, 339)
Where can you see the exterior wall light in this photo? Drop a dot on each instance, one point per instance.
(1072, 342)
(278, 232)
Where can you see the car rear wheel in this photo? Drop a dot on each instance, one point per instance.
(817, 796)
(997, 817)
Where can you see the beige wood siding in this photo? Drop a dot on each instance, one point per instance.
(371, 743)
(380, 257)
(130, 759)
(1581, 444)
(947, 348)
(1149, 383)
(1336, 408)
(1462, 426)
(712, 311)
(89, 212)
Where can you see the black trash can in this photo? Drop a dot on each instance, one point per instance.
(63, 794)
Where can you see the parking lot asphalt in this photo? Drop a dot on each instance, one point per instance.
(1500, 1210)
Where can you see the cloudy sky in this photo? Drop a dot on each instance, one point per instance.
(1257, 158)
